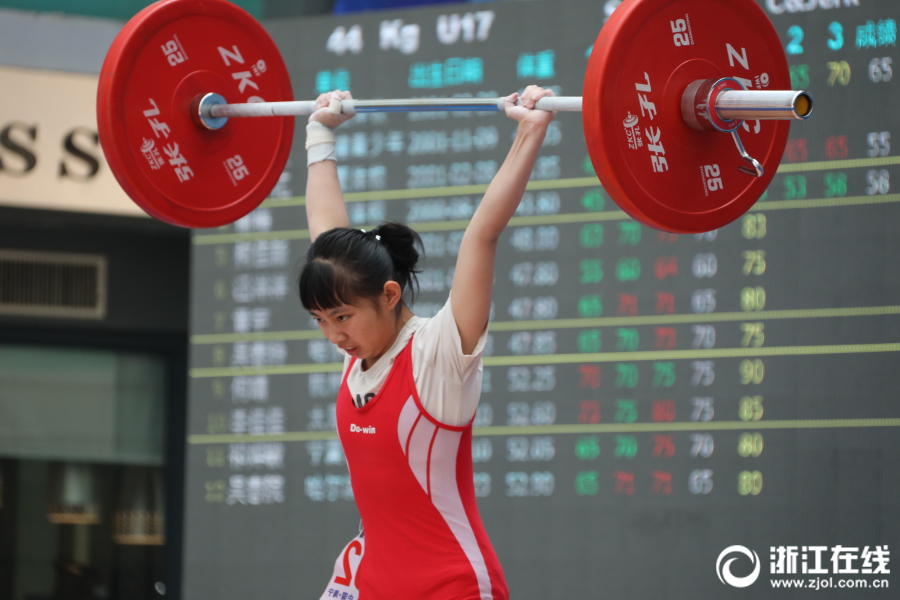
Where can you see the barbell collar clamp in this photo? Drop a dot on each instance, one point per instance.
(755, 169)
(732, 104)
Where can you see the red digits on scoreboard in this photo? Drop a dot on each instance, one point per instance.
(665, 303)
(663, 411)
(836, 147)
(664, 237)
(662, 482)
(663, 447)
(665, 266)
(665, 338)
(628, 305)
(624, 483)
(796, 151)
(590, 376)
(590, 411)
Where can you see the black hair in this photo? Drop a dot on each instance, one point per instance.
(346, 266)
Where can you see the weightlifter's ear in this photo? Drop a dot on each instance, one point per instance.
(392, 294)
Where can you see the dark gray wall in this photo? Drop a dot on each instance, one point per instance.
(148, 267)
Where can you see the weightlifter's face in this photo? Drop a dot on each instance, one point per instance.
(365, 331)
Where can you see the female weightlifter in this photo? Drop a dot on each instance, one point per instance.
(411, 385)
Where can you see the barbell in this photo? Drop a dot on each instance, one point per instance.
(670, 87)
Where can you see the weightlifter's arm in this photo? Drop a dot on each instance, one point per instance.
(474, 275)
(324, 200)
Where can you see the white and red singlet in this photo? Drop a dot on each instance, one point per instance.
(412, 480)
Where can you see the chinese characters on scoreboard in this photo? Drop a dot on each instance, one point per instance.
(260, 283)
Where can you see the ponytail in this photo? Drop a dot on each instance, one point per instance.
(345, 266)
(400, 241)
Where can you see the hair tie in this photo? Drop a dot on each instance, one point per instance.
(377, 237)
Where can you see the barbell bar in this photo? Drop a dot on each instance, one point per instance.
(213, 111)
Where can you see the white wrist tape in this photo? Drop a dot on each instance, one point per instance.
(316, 133)
(319, 143)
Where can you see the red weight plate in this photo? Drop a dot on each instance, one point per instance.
(177, 171)
(651, 163)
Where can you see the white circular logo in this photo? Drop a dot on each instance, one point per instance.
(724, 570)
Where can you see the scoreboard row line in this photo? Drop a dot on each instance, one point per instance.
(554, 184)
(811, 313)
(587, 217)
(557, 359)
(575, 429)
(548, 184)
